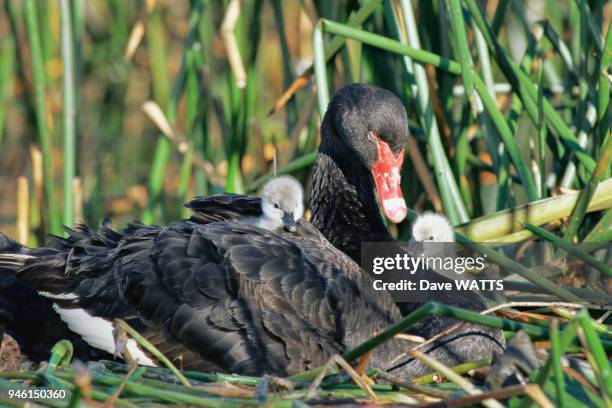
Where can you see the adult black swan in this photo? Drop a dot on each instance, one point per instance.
(357, 124)
(224, 296)
(363, 135)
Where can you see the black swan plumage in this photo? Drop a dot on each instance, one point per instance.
(219, 295)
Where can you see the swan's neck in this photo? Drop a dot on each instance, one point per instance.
(343, 203)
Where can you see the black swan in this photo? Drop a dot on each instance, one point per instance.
(357, 124)
(225, 296)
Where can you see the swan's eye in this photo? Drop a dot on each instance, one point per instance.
(275, 205)
(372, 136)
(430, 238)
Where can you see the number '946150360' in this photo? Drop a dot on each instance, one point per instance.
(37, 393)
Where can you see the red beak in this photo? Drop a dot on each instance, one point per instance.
(386, 172)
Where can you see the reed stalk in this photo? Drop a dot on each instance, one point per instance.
(498, 258)
(603, 95)
(151, 349)
(61, 355)
(601, 170)
(496, 227)
(449, 191)
(555, 356)
(7, 53)
(463, 383)
(69, 112)
(570, 248)
(23, 210)
(596, 349)
(287, 66)
(44, 134)
(156, 46)
(463, 48)
(320, 70)
(602, 231)
(298, 164)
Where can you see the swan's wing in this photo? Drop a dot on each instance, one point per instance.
(239, 298)
(224, 207)
(83, 235)
(78, 272)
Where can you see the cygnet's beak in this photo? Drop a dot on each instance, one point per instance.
(289, 222)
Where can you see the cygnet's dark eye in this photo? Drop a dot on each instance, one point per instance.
(275, 205)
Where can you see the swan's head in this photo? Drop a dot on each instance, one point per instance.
(372, 122)
(431, 227)
(282, 202)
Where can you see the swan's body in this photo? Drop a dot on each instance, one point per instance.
(222, 296)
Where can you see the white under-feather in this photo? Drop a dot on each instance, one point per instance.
(137, 354)
(95, 331)
(59, 296)
(16, 256)
(14, 261)
(98, 333)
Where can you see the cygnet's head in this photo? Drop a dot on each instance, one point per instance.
(431, 227)
(282, 202)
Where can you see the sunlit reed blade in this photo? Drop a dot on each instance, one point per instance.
(228, 28)
(136, 37)
(23, 210)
